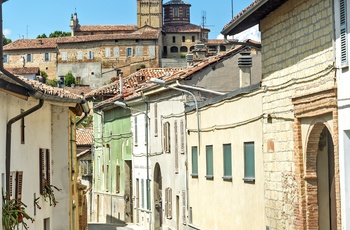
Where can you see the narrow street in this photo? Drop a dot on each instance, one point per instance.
(120, 226)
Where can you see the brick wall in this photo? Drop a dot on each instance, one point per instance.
(297, 61)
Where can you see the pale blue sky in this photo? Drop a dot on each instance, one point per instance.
(28, 19)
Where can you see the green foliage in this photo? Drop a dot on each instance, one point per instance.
(43, 74)
(5, 40)
(49, 193)
(142, 66)
(42, 36)
(52, 82)
(69, 79)
(57, 34)
(85, 123)
(13, 214)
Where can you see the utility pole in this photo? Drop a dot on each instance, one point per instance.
(232, 8)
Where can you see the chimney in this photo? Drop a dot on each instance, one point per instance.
(245, 64)
(189, 59)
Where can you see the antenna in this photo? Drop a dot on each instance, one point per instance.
(232, 7)
(204, 18)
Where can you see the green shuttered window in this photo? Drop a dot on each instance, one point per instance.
(227, 162)
(249, 161)
(194, 161)
(209, 160)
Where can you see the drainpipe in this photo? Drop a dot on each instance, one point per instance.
(8, 141)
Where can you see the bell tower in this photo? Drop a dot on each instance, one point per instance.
(150, 12)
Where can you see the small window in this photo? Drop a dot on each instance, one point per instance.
(227, 162)
(249, 162)
(116, 52)
(176, 12)
(209, 162)
(139, 51)
(108, 52)
(183, 38)
(91, 55)
(152, 51)
(80, 55)
(174, 49)
(193, 38)
(174, 39)
(183, 49)
(78, 80)
(64, 56)
(46, 57)
(222, 48)
(129, 52)
(29, 57)
(194, 153)
(166, 136)
(6, 58)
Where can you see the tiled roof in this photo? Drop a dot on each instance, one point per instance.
(251, 16)
(144, 33)
(187, 28)
(176, 2)
(132, 82)
(85, 136)
(40, 43)
(218, 41)
(78, 90)
(24, 70)
(96, 28)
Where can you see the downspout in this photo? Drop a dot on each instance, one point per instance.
(8, 142)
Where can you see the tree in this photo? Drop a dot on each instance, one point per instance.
(5, 40)
(57, 34)
(69, 79)
(42, 36)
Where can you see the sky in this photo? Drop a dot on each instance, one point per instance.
(28, 19)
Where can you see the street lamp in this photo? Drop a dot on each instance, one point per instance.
(164, 84)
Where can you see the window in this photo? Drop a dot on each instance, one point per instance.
(29, 57)
(116, 52)
(209, 162)
(129, 52)
(222, 48)
(64, 56)
(148, 193)
(142, 193)
(91, 55)
(193, 38)
(183, 38)
(227, 162)
(168, 203)
(45, 175)
(152, 51)
(117, 178)
(135, 131)
(80, 55)
(16, 181)
(174, 39)
(176, 12)
(249, 162)
(166, 136)
(343, 33)
(108, 52)
(78, 80)
(174, 49)
(6, 58)
(194, 152)
(183, 49)
(176, 148)
(139, 51)
(46, 57)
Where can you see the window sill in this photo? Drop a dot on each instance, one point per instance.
(227, 178)
(209, 177)
(249, 180)
(194, 175)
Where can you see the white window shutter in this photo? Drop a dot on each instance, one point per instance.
(116, 51)
(176, 148)
(169, 203)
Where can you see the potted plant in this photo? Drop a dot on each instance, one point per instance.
(13, 214)
(49, 193)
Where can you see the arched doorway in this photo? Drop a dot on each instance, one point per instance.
(157, 196)
(320, 179)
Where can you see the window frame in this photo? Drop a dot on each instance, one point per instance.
(227, 172)
(6, 58)
(194, 161)
(129, 52)
(249, 176)
(29, 57)
(209, 162)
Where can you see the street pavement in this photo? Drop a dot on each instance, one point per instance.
(119, 226)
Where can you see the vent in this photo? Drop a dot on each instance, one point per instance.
(199, 46)
(245, 60)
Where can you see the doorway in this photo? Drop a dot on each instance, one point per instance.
(157, 196)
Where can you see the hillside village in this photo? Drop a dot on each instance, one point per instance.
(167, 129)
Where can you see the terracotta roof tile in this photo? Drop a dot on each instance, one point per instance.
(85, 136)
(79, 90)
(40, 43)
(24, 70)
(187, 28)
(97, 28)
(218, 41)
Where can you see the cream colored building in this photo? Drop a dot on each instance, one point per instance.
(225, 162)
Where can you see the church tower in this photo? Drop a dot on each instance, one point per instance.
(150, 12)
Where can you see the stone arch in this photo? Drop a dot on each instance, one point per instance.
(174, 49)
(183, 49)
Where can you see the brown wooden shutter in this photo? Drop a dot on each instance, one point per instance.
(19, 182)
(117, 176)
(48, 166)
(41, 170)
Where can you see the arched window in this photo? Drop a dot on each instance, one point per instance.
(174, 49)
(222, 48)
(183, 49)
